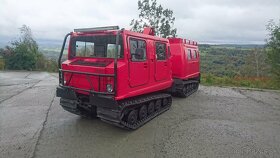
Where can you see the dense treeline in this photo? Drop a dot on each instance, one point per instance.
(250, 66)
(236, 66)
(234, 61)
(247, 65)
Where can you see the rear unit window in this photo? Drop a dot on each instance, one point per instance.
(189, 54)
(195, 54)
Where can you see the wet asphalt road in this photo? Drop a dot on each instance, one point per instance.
(214, 122)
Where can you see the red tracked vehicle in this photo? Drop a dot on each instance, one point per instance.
(123, 77)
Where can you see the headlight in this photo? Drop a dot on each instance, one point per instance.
(109, 88)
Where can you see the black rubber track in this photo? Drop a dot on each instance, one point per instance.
(136, 103)
(190, 88)
(145, 101)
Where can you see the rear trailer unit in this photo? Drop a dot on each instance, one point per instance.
(185, 68)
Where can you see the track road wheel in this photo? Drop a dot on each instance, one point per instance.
(164, 101)
(151, 107)
(143, 112)
(132, 117)
(197, 86)
(183, 92)
(158, 105)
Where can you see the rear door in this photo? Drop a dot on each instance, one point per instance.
(189, 67)
(195, 61)
(138, 66)
(193, 64)
(161, 64)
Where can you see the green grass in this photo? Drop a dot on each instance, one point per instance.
(250, 82)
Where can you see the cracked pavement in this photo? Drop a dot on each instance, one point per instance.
(213, 122)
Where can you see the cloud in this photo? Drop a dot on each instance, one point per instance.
(225, 21)
(216, 21)
(52, 19)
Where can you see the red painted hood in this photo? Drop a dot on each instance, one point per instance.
(88, 82)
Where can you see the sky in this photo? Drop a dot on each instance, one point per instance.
(215, 21)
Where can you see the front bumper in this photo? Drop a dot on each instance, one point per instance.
(106, 107)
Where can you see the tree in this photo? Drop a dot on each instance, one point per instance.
(24, 53)
(27, 39)
(273, 48)
(255, 63)
(154, 15)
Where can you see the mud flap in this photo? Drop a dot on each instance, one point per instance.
(70, 106)
(103, 101)
(107, 108)
(66, 93)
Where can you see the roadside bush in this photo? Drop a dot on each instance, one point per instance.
(23, 53)
(2, 63)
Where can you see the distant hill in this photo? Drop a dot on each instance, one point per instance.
(3, 43)
(41, 42)
(49, 43)
(233, 46)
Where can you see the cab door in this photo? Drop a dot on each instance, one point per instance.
(161, 62)
(138, 63)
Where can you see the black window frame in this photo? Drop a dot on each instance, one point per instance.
(74, 39)
(156, 49)
(189, 54)
(132, 54)
(169, 52)
(195, 54)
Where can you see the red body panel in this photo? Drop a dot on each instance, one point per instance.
(185, 58)
(133, 78)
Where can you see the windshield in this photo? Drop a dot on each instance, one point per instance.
(97, 46)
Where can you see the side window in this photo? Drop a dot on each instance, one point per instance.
(137, 50)
(111, 49)
(161, 51)
(189, 54)
(195, 54)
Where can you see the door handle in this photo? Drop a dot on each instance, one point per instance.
(165, 63)
(145, 65)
